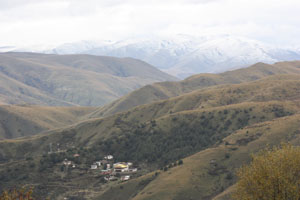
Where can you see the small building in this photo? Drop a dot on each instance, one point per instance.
(98, 163)
(94, 166)
(133, 170)
(107, 166)
(121, 167)
(110, 178)
(108, 157)
(67, 162)
(76, 155)
(125, 178)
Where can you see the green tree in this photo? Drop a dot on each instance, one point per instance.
(272, 174)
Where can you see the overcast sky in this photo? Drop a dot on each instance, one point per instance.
(28, 22)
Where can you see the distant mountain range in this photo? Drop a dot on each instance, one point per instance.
(185, 55)
(180, 55)
(65, 80)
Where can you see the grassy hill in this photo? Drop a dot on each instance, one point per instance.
(63, 80)
(213, 129)
(207, 174)
(165, 90)
(281, 88)
(26, 120)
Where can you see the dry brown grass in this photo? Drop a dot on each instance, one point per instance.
(165, 90)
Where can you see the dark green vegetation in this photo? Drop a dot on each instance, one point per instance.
(191, 142)
(68, 80)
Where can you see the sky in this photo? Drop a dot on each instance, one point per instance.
(54, 22)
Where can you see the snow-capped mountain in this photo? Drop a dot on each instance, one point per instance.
(184, 55)
(79, 47)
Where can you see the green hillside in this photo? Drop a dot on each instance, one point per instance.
(62, 80)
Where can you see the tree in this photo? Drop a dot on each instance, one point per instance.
(272, 174)
(17, 194)
(180, 162)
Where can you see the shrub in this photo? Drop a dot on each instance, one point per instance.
(17, 194)
(272, 174)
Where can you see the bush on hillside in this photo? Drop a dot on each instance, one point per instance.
(272, 174)
(15, 194)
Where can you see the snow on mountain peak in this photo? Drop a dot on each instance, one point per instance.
(183, 55)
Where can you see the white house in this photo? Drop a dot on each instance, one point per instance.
(125, 178)
(108, 157)
(98, 163)
(133, 170)
(94, 166)
(67, 162)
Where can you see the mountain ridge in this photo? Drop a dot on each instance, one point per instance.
(160, 91)
(72, 79)
(185, 55)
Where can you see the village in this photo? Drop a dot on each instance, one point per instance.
(108, 168)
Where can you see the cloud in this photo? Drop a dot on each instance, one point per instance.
(59, 21)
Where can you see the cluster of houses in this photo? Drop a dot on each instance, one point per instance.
(111, 169)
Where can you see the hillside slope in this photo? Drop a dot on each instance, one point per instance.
(160, 116)
(208, 173)
(165, 90)
(155, 144)
(154, 136)
(71, 79)
(20, 121)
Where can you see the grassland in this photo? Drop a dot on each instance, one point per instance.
(213, 129)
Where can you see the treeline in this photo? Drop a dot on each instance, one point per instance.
(190, 133)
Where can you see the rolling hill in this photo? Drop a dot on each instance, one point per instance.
(165, 90)
(68, 80)
(27, 120)
(212, 125)
(209, 174)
